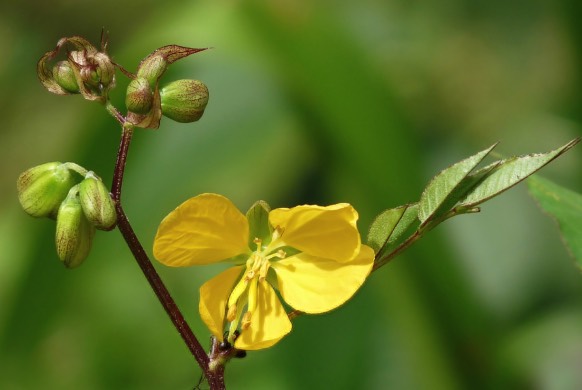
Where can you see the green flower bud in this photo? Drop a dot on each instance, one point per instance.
(42, 189)
(74, 234)
(65, 77)
(152, 67)
(139, 97)
(184, 100)
(97, 204)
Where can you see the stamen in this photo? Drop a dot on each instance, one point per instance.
(231, 313)
(263, 271)
(258, 241)
(234, 323)
(238, 290)
(246, 320)
(232, 331)
(252, 297)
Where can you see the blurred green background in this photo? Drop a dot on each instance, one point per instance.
(311, 102)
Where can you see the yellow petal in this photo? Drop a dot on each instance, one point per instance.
(213, 297)
(269, 323)
(205, 229)
(317, 285)
(328, 232)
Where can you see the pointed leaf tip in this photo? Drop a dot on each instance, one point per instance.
(510, 172)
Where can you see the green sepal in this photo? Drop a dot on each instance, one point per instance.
(184, 100)
(139, 96)
(64, 75)
(98, 206)
(74, 233)
(41, 189)
(259, 226)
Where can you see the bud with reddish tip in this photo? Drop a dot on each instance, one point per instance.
(151, 69)
(74, 233)
(96, 202)
(184, 100)
(41, 189)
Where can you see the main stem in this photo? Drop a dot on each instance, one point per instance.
(215, 378)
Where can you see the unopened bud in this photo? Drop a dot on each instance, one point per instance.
(41, 189)
(139, 97)
(74, 234)
(97, 204)
(65, 76)
(94, 72)
(105, 71)
(152, 67)
(184, 100)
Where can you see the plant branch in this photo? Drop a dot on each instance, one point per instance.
(216, 377)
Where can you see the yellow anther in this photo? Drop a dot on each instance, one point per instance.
(246, 320)
(231, 313)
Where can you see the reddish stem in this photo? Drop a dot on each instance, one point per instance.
(216, 377)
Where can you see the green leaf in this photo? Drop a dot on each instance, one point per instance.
(390, 225)
(448, 187)
(509, 172)
(259, 226)
(563, 205)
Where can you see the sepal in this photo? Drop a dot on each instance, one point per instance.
(41, 189)
(74, 233)
(96, 202)
(184, 100)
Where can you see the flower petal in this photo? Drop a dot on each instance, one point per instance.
(205, 229)
(328, 232)
(213, 297)
(269, 322)
(317, 285)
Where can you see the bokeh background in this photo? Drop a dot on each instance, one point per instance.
(311, 102)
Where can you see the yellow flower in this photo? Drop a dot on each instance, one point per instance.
(312, 255)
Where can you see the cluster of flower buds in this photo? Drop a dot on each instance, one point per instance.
(91, 73)
(183, 100)
(86, 70)
(53, 190)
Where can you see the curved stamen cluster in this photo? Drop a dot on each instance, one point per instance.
(245, 291)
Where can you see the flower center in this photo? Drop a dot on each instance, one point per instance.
(245, 293)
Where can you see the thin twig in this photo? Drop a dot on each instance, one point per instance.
(216, 377)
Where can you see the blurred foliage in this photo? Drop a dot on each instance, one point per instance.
(310, 102)
(565, 207)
